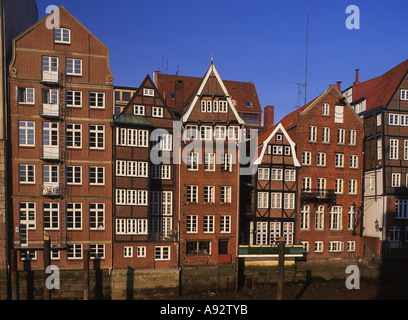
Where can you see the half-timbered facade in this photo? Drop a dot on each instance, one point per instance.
(145, 235)
(383, 104)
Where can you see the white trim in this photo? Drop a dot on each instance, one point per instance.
(190, 107)
(265, 144)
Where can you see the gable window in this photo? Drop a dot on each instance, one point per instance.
(206, 133)
(139, 110)
(263, 174)
(74, 67)
(62, 35)
(223, 106)
(352, 137)
(404, 94)
(148, 92)
(157, 112)
(393, 119)
(219, 132)
(312, 133)
(326, 135)
(325, 109)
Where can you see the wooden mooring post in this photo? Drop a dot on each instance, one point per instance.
(281, 268)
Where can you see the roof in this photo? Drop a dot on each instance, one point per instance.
(130, 119)
(243, 93)
(380, 90)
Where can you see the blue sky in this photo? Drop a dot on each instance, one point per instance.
(263, 41)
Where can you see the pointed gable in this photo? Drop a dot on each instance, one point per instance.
(211, 101)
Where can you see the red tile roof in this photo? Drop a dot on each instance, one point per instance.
(241, 92)
(379, 91)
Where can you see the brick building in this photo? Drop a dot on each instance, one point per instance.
(145, 235)
(177, 89)
(328, 137)
(61, 106)
(209, 174)
(383, 104)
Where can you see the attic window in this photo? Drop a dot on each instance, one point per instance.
(404, 94)
(148, 92)
(62, 35)
(248, 103)
(278, 137)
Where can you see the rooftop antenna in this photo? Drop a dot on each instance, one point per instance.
(307, 40)
(299, 91)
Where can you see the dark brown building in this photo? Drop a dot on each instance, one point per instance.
(61, 106)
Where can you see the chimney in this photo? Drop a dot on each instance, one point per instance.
(339, 85)
(269, 112)
(357, 76)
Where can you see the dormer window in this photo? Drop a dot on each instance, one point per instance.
(62, 35)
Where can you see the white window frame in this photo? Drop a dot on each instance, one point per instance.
(96, 100)
(25, 132)
(71, 66)
(75, 97)
(94, 176)
(61, 35)
(29, 173)
(157, 112)
(75, 130)
(312, 134)
(74, 175)
(96, 131)
(394, 149)
(139, 110)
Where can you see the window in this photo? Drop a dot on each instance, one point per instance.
(96, 216)
(276, 174)
(340, 136)
(96, 176)
(338, 186)
(351, 221)
(26, 134)
(321, 159)
(288, 228)
(26, 173)
(306, 184)
(233, 133)
(161, 172)
(278, 150)
(338, 114)
(404, 120)
(74, 136)
(404, 94)
(394, 234)
(263, 174)
(26, 95)
(139, 110)
(352, 186)
(354, 161)
(223, 107)
(326, 109)
(319, 218)
(131, 226)
(276, 200)
(396, 180)
(336, 246)
(209, 161)
(97, 100)
(220, 132)
(318, 246)
(74, 251)
(141, 251)
(351, 246)
(97, 251)
(336, 217)
(394, 149)
(74, 175)
(74, 216)
(209, 194)
(49, 67)
(326, 135)
(312, 134)
(192, 194)
(289, 201)
(405, 149)
(96, 136)
(148, 92)
(74, 67)
(27, 215)
(262, 233)
(263, 198)
(157, 112)
(62, 35)
(74, 98)
(321, 187)
(51, 215)
(379, 149)
(192, 161)
(206, 133)
(352, 137)
(131, 137)
(306, 158)
(401, 208)
(304, 217)
(191, 132)
(290, 175)
(198, 247)
(127, 252)
(339, 160)
(191, 224)
(225, 224)
(225, 194)
(209, 224)
(226, 162)
(393, 119)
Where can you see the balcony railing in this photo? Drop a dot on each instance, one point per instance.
(317, 195)
(50, 110)
(50, 190)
